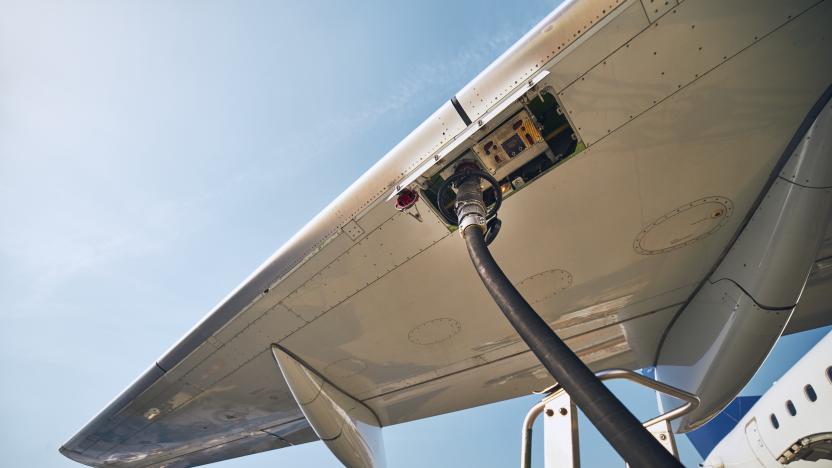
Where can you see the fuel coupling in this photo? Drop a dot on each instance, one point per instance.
(469, 206)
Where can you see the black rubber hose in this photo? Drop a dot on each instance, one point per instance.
(612, 419)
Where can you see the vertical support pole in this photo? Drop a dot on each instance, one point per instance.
(560, 432)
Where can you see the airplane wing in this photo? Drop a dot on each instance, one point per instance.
(631, 139)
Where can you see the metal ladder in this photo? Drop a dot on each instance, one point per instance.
(560, 426)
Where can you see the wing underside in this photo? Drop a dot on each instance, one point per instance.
(653, 125)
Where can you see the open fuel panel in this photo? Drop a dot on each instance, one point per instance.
(528, 144)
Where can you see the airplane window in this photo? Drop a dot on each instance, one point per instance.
(829, 373)
(810, 393)
(774, 421)
(790, 407)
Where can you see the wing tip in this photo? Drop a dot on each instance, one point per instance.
(75, 455)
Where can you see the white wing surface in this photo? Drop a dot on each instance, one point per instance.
(652, 120)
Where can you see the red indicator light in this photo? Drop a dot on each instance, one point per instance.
(406, 199)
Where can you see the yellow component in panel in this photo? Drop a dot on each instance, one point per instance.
(513, 138)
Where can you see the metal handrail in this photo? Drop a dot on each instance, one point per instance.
(691, 403)
(526, 442)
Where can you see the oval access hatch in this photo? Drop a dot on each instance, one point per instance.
(434, 331)
(542, 286)
(683, 226)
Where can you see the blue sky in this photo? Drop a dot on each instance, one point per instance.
(154, 153)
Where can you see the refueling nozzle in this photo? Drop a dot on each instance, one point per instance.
(469, 208)
(469, 205)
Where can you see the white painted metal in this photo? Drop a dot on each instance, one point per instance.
(735, 319)
(348, 303)
(353, 230)
(656, 8)
(560, 431)
(715, 346)
(662, 432)
(244, 342)
(761, 456)
(773, 267)
(755, 442)
(348, 428)
(612, 32)
(814, 307)
(639, 75)
(571, 21)
(509, 370)
(772, 264)
(381, 251)
(804, 168)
